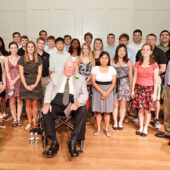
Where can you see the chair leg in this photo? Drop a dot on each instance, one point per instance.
(81, 146)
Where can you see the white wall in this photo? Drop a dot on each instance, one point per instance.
(76, 17)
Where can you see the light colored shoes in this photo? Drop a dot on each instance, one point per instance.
(107, 132)
(28, 127)
(97, 132)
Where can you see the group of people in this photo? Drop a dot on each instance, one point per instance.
(62, 71)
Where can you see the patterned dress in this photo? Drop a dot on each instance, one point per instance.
(14, 72)
(122, 90)
(85, 70)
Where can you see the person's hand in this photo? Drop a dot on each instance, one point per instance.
(28, 88)
(2, 88)
(132, 94)
(154, 97)
(12, 83)
(163, 94)
(11, 87)
(103, 98)
(33, 86)
(74, 106)
(47, 107)
(105, 94)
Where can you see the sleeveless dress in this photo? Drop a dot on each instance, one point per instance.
(14, 72)
(122, 90)
(2, 94)
(85, 70)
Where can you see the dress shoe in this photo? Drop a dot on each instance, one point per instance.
(144, 134)
(138, 132)
(72, 148)
(54, 147)
(161, 135)
(115, 127)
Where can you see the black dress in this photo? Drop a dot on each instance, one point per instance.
(30, 74)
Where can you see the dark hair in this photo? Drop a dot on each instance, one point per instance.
(59, 39)
(2, 48)
(88, 34)
(151, 60)
(124, 36)
(111, 34)
(15, 34)
(165, 31)
(137, 30)
(42, 31)
(12, 43)
(24, 37)
(50, 38)
(116, 57)
(78, 49)
(67, 36)
(105, 53)
(151, 34)
(40, 39)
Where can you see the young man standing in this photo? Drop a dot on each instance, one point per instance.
(24, 40)
(67, 42)
(88, 38)
(164, 41)
(51, 45)
(58, 58)
(17, 38)
(137, 44)
(43, 34)
(45, 58)
(111, 48)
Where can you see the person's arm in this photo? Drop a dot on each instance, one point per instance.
(52, 70)
(156, 73)
(38, 77)
(130, 65)
(134, 81)
(77, 64)
(3, 85)
(162, 68)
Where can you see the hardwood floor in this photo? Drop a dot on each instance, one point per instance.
(123, 150)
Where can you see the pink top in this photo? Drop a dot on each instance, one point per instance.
(145, 74)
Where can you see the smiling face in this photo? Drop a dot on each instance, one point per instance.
(17, 38)
(121, 52)
(60, 45)
(137, 37)
(146, 51)
(85, 50)
(24, 42)
(104, 60)
(151, 40)
(75, 44)
(69, 68)
(51, 43)
(124, 41)
(165, 37)
(67, 41)
(13, 49)
(110, 39)
(30, 48)
(41, 45)
(98, 45)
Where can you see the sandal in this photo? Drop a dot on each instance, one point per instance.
(14, 123)
(107, 133)
(20, 123)
(5, 115)
(28, 127)
(97, 132)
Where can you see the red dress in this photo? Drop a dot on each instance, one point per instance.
(14, 72)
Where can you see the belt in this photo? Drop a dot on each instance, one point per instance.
(104, 83)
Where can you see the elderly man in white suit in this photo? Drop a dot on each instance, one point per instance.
(63, 89)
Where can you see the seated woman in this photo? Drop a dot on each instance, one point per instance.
(13, 84)
(144, 88)
(30, 69)
(103, 81)
(124, 68)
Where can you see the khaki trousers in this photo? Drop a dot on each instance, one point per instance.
(44, 83)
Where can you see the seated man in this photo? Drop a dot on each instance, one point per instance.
(65, 88)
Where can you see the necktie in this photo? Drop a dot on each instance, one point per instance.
(66, 93)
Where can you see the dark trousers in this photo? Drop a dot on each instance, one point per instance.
(58, 108)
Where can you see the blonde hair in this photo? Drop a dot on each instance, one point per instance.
(35, 55)
(89, 55)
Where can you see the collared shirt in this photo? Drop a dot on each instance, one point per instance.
(131, 55)
(163, 48)
(45, 58)
(135, 47)
(66, 48)
(61, 89)
(46, 46)
(168, 55)
(57, 61)
(158, 54)
(21, 52)
(111, 51)
(167, 77)
(50, 51)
